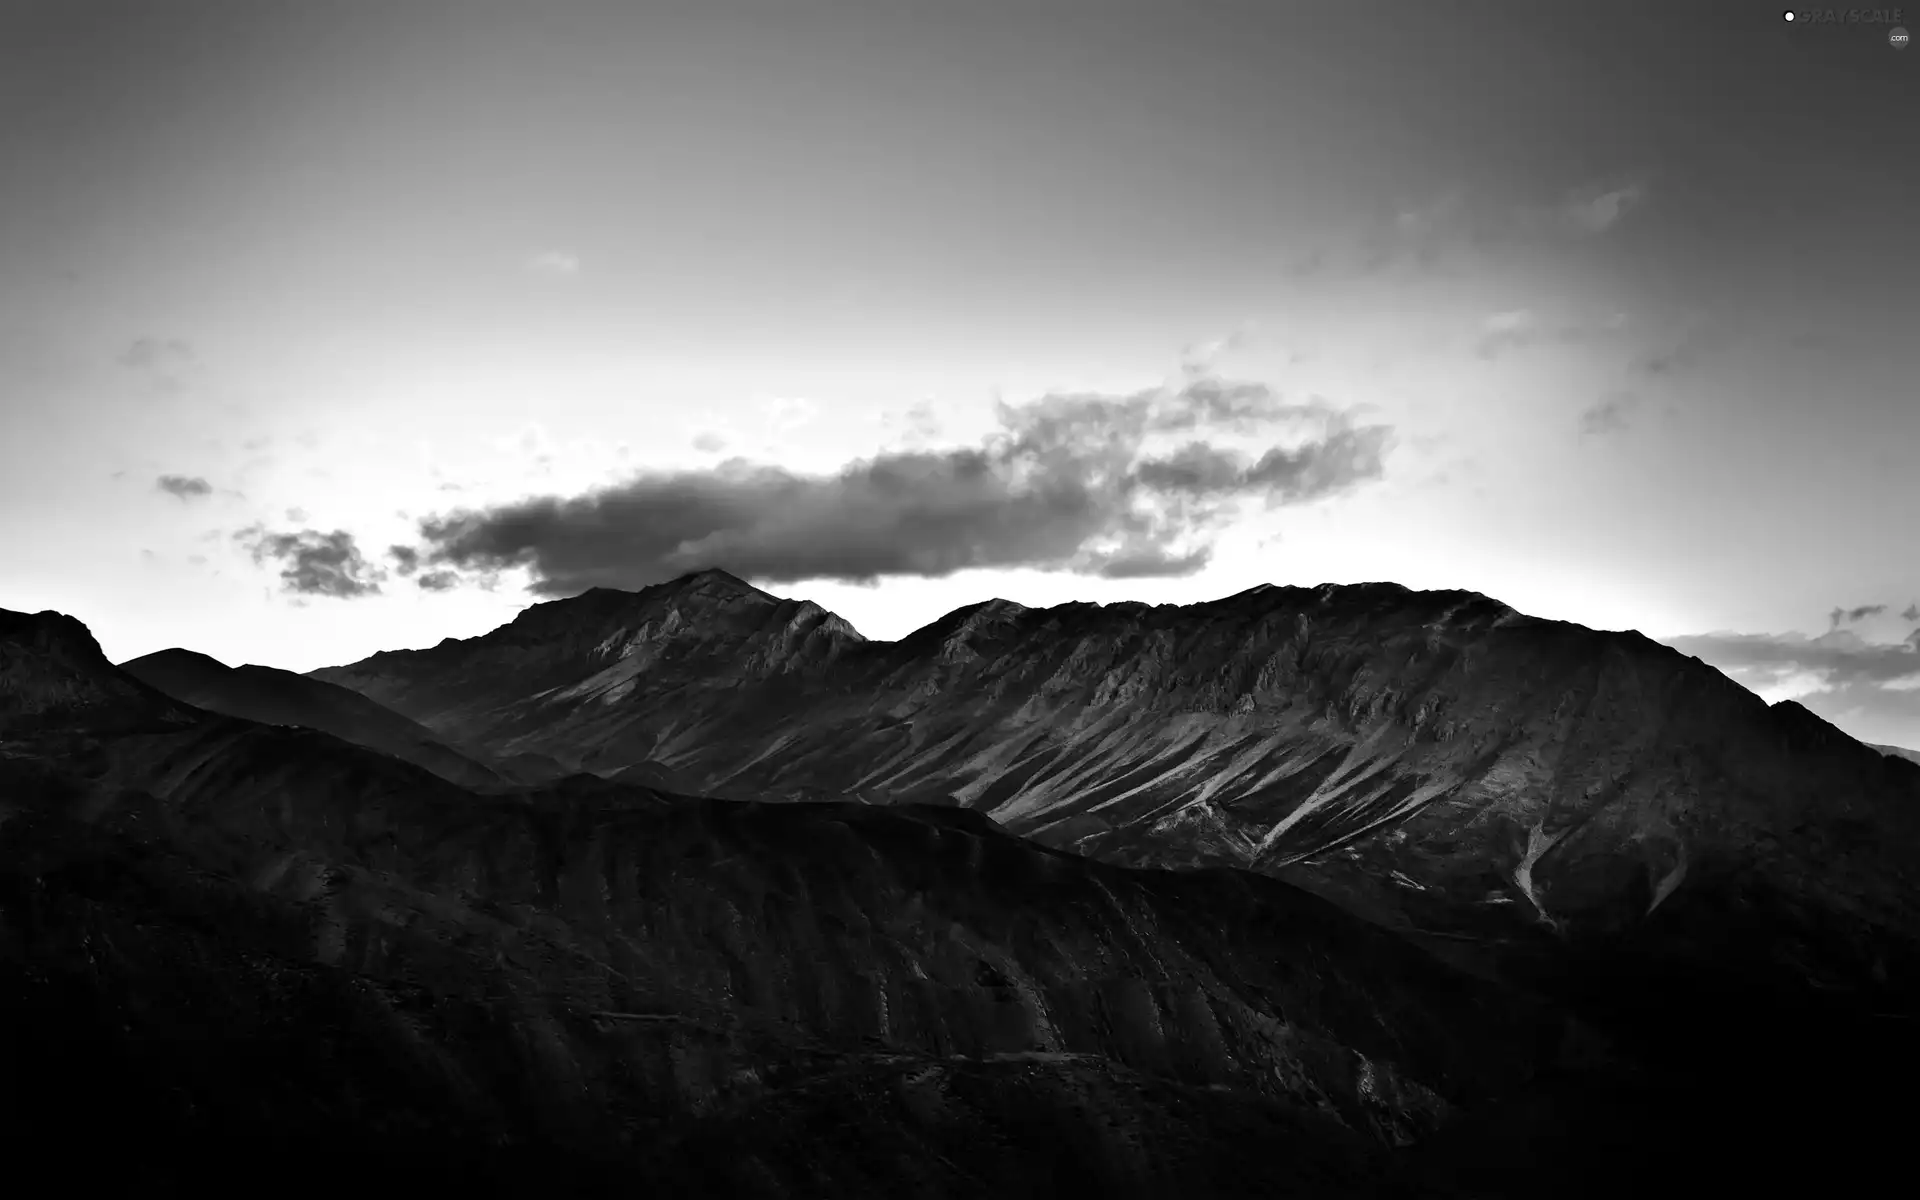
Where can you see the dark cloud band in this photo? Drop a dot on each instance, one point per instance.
(1066, 484)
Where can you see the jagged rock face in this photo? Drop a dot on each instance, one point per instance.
(1434, 760)
(275, 697)
(226, 931)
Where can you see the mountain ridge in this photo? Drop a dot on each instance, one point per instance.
(276, 697)
(1436, 760)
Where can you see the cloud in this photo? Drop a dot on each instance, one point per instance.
(709, 442)
(1612, 414)
(156, 354)
(438, 581)
(296, 515)
(161, 362)
(1695, 339)
(1201, 358)
(1521, 328)
(1912, 612)
(186, 487)
(1421, 234)
(915, 427)
(1595, 209)
(1072, 482)
(1838, 665)
(1507, 330)
(1451, 224)
(314, 563)
(787, 413)
(555, 264)
(1853, 616)
(406, 559)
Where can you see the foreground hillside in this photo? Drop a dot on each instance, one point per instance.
(1436, 761)
(227, 934)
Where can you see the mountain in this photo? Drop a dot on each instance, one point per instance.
(1498, 784)
(53, 676)
(222, 933)
(1900, 752)
(275, 697)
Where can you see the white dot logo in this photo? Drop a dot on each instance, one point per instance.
(1897, 39)
(1789, 16)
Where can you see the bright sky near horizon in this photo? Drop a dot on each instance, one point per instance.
(1603, 310)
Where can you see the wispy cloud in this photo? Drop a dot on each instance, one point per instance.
(1503, 331)
(1597, 208)
(1522, 328)
(1440, 230)
(186, 487)
(1071, 483)
(709, 442)
(784, 414)
(162, 363)
(1853, 616)
(314, 563)
(555, 264)
(1203, 358)
(1610, 414)
(1694, 339)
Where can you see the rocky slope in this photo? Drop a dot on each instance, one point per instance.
(1435, 761)
(274, 697)
(226, 933)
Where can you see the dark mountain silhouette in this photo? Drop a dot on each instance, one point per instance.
(275, 697)
(221, 940)
(53, 677)
(1900, 752)
(1498, 784)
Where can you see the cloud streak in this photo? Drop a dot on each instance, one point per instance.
(314, 563)
(1078, 483)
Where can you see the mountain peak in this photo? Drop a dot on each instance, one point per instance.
(53, 673)
(711, 582)
(176, 658)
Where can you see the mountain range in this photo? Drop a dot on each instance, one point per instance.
(1329, 891)
(1434, 760)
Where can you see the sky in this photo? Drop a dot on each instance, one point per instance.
(327, 328)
